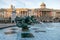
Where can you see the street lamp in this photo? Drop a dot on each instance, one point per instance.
(13, 16)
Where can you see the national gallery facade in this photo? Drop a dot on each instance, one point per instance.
(41, 13)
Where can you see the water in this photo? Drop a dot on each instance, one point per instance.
(52, 32)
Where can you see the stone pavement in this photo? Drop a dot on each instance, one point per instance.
(52, 33)
(6, 25)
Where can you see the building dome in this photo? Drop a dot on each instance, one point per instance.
(43, 5)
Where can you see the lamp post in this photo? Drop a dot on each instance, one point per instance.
(13, 16)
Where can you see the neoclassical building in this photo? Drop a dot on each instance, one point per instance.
(41, 13)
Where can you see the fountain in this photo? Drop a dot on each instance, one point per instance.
(23, 23)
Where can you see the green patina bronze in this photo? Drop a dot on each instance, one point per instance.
(23, 22)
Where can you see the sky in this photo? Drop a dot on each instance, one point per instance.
(53, 4)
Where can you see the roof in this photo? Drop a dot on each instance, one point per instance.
(46, 9)
(36, 9)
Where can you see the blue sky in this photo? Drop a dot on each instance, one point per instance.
(55, 4)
